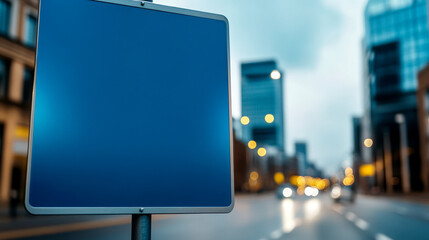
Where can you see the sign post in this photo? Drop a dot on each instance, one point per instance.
(141, 227)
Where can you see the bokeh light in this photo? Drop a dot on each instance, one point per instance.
(279, 178)
(368, 142)
(252, 144)
(276, 75)
(254, 175)
(262, 152)
(245, 120)
(269, 118)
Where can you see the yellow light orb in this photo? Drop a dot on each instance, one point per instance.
(276, 75)
(279, 178)
(301, 181)
(254, 176)
(245, 120)
(321, 185)
(368, 142)
(262, 152)
(367, 170)
(347, 181)
(252, 144)
(348, 171)
(269, 118)
(327, 183)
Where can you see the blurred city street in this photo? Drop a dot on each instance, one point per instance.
(255, 217)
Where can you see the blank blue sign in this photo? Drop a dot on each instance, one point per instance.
(131, 110)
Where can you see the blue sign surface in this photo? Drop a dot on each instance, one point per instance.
(131, 110)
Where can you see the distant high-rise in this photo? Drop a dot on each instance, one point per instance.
(396, 46)
(301, 155)
(262, 104)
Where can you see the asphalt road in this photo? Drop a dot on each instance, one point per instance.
(255, 217)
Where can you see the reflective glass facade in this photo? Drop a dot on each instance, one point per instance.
(31, 25)
(5, 8)
(4, 77)
(404, 22)
(262, 95)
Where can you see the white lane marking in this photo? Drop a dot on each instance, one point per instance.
(276, 234)
(350, 216)
(402, 210)
(381, 236)
(339, 209)
(362, 224)
(71, 227)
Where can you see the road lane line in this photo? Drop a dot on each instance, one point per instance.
(71, 227)
(338, 209)
(401, 210)
(350, 216)
(276, 234)
(362, 224)
(381, 236)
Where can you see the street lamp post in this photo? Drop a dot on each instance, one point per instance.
(405, 171)
(388, 160)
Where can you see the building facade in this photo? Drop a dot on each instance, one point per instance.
(301, 155)
(18, 26)
(262, 104)
(262, 124)
(423, 113)
(396, 47)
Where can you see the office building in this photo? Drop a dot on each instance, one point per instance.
(262, 104)
(395, 49)
(423, 113)
(18, 25)
(302, 158)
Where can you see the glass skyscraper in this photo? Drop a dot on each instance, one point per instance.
(396, 48)
(402, 23)
(262, 104)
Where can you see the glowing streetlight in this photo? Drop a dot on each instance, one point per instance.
(262, 152)
(245, 120)
(276, 75)
(269, 118)
(368, 142)
(252, 144)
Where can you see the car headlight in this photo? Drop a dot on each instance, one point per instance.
(336, 192)
(287, 192)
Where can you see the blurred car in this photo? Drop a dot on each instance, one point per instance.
(311, 192)
(339, 193)
(286, 191)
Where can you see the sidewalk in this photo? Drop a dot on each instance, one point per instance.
(415, 197)
(24, 220)
(27, 225)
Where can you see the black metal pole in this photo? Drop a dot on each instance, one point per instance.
(141, 227)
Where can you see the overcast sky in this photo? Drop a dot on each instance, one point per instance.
(318, 44)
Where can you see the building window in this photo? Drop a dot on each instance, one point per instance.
(4, 77)
(27, 86)
(31, 30)
(5, 8)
